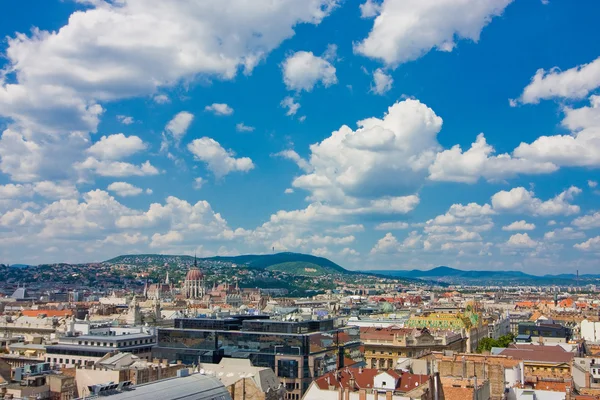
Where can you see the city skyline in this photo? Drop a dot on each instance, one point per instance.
(378, 134)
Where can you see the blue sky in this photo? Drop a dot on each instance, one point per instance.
(380, 134)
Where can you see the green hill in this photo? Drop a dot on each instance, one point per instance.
(302, 268)
(264, 261)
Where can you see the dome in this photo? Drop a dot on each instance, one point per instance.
(194, 275)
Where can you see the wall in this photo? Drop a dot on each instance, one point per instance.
(590, 331)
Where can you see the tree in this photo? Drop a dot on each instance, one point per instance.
(486, 344)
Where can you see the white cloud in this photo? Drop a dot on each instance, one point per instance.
(116, 147)
(321, 252)
(219, 109)
(241, 127)
(291, 105)
(171, 237)
(347, 229)
(592, 184)
(116, 169)
(125, 120)
(295, 157)
(12, 191)
(199, 182)
(392, 226)
(519, 226)
(48, 189)
(56, 190)
(125, 239)
(567, 233)
(303, 70)
(219, 161)
(124, 189)
(161, 99)
(29, 158)
(165, 44)
(521, 241)
(592, 244)
(574, 83)
(348, 252)
(382, 82)
(479, 161)
(369, 9)
(383, 157)
(406, 30)
(389, 244)
(589, 221)
(178, 126)
(520, 200)
(581, 148)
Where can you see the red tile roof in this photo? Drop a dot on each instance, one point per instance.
(364, 377)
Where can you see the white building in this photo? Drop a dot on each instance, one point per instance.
(590, 331)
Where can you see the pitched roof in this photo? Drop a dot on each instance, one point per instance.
(364, 377)
(538, 353)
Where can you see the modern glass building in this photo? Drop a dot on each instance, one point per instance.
(296, 351)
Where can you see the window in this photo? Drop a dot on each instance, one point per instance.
(383, 383)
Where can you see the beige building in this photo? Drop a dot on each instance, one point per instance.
(244, 381)
(122, 367)
(385, 346)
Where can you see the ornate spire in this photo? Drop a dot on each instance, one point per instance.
(195, 261)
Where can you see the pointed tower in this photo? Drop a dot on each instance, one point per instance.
(157, 309)
(167, 278)
(134, 314)
(146, 289)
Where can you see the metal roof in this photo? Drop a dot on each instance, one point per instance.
(193, 387)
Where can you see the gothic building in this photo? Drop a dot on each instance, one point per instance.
(193, 286)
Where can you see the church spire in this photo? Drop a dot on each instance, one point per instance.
(195, 261)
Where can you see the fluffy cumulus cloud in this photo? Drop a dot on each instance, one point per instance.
(390, 245)
(589, 221)
(178, 126)
(165, 43)
(218, 160)
(303, 70)
(392, 226)
(592, 244)
(574, 83)
(220, 109)
(382, 82)
(124, 189)
(369, 9)
(581, 148)
(456, 165)
(522, 201)
(117, 169)
(126, 49)
(519, 226)
(521, 241)
(116, 147)
(383, 157)
(98, 222)
(406, 30)
(567, 233)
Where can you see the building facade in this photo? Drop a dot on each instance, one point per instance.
(296, 351)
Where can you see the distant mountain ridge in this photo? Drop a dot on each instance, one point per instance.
(453, 275)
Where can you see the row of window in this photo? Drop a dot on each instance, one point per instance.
(119, 344)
